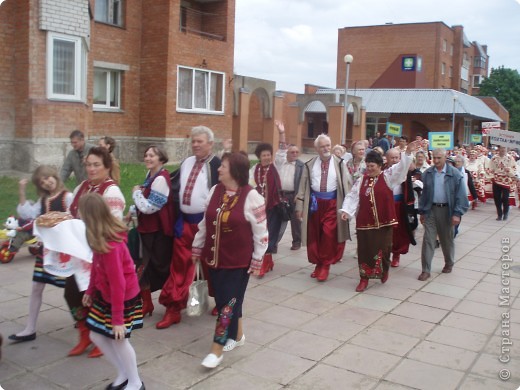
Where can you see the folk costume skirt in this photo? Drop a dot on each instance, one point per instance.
(374, 248)
(42, 276)
(99, 318)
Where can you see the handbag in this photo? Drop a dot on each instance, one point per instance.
(198, 297)
(134, 244)
(285, 210)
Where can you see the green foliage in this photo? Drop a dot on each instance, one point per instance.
(131, 175)
(504, 84)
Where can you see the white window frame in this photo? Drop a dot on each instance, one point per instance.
(443, 68)
(110, 13)
(206, 109)
(478, 78)
(80, 60)
(107, 106)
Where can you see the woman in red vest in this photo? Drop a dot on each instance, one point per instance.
(154, 203)
(235, 214)
(265, 179)
(372, 199)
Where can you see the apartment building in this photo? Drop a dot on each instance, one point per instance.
(141, 71)
(412, 55)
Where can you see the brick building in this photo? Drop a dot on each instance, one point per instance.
(413, 55)
(141, 71)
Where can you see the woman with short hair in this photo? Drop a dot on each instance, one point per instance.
(235, 213)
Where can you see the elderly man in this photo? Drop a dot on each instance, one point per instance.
(197, 174)
(442, 203)
(404, 200)
(290, 169)
(322, 189)
(74, 161)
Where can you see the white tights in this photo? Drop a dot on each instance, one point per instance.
(35, 303)
(122, 356)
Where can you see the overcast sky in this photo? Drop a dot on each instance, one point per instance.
(294, 42)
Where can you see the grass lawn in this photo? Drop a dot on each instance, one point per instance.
(131, 174)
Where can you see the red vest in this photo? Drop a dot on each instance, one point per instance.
(376, 204)
(86, 188)
(163, 219)
(229, 237)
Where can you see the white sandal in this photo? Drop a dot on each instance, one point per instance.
(231, 344)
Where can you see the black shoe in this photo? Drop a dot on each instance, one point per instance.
(499, 218)
(505, 217)
(142, 386)
(118, 387)
(437, 244)
(20, 339)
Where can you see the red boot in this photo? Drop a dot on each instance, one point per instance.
(395, 260)
(172, 316)
(316, 271)
(267, 265)
(147, 302)
(323, 274)
(95, 353)
(363, 284)
(84, 339)
(474, 205)
(385, 277)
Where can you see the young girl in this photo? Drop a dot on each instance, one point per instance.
(113, 295)
(53, 197)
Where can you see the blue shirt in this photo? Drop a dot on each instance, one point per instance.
(439, 194)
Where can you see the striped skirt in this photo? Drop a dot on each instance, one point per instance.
(42, 276)
(99, 318)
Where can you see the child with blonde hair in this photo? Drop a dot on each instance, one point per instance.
(113, 295)
(53, 197)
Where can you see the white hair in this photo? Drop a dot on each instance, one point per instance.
(321, 137)
(441, 151)
(199, 130)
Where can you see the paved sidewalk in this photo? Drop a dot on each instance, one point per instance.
(445, 333)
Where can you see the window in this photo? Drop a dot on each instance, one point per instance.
(477, 79)
(66, 64)
(451, 50)
(479, 62)
(444, 45)
(200, 90)
(107, 89)
(451, 71)
(443, 68)
(109, 11)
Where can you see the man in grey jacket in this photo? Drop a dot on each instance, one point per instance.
(443, 201)
(74, 161)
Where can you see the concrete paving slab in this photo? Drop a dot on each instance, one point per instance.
(405, 334)
(425, 376)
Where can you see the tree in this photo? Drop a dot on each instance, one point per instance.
(504, 84)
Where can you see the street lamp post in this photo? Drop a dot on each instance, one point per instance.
(348, 60)
(453, 115)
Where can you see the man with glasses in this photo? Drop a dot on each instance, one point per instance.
(290, 169)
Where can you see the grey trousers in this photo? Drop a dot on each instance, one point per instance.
(437, 223)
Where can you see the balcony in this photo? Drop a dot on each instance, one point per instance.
(204, 18)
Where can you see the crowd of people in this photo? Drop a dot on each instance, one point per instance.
(199, 212)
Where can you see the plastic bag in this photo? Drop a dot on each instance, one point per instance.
(198, 298)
